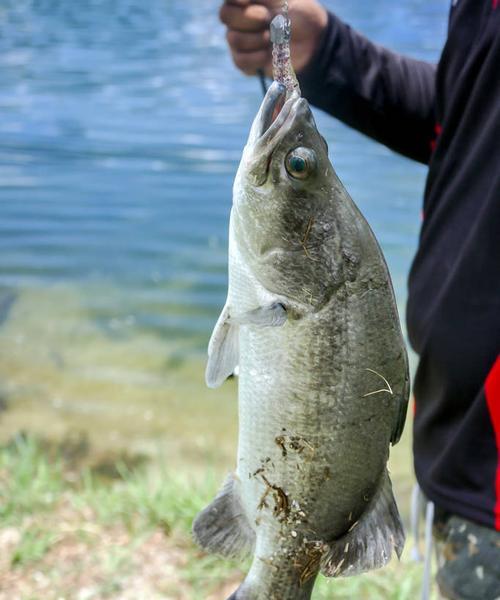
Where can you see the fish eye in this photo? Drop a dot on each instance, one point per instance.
(300, 163)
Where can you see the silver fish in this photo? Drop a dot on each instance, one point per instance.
(312, 322)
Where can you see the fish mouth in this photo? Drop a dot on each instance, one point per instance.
(279, 113)
(275, 109)
(271, 106)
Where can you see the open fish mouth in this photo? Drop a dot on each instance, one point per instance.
(280, 112)
(275, 109)
(272, 105)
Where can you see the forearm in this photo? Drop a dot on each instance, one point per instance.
(384, 95)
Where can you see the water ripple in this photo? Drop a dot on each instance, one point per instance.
(121, 130)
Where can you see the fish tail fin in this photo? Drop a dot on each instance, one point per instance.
(370, 542)
(222, 527)
(257, 591)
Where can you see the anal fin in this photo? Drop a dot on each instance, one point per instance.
(222, 527)
(370, 542)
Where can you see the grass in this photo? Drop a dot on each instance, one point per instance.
(51, 515)
(66, 532)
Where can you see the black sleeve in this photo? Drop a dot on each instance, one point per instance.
(384, 95)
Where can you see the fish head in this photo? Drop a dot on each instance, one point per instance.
(288, 203)
(284, 124)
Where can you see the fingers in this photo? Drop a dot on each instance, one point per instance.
(251, 62)
(248, 42)
(248, 33)
(246, 18)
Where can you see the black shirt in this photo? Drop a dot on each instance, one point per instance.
(448, 117)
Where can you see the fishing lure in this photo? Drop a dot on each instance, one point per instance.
(282, 63)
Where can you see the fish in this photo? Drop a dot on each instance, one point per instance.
(312, 324)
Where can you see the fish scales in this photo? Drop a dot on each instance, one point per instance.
(311, 322)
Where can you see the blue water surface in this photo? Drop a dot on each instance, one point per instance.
(121, 128)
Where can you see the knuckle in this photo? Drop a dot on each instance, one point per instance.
(226, 15)
(259, 14)
(248, 18)
(222, 14)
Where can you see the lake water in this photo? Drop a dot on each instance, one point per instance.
(121, 127)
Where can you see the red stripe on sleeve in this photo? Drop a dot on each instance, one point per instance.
(492, 392)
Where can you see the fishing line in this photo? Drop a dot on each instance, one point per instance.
(262, 78)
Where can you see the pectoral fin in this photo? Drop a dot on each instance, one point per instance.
(273, 315)
(223, 350)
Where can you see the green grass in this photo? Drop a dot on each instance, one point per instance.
(31, 483)
(41, 500)
(55, 510)
(33, 546)
(28, 483)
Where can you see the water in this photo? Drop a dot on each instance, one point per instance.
(122, 123)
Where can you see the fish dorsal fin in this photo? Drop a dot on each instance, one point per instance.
(223, 350)
(402, 408)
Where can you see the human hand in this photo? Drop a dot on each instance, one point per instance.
(248, 36)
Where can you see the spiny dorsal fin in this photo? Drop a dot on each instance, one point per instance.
(402, 410)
